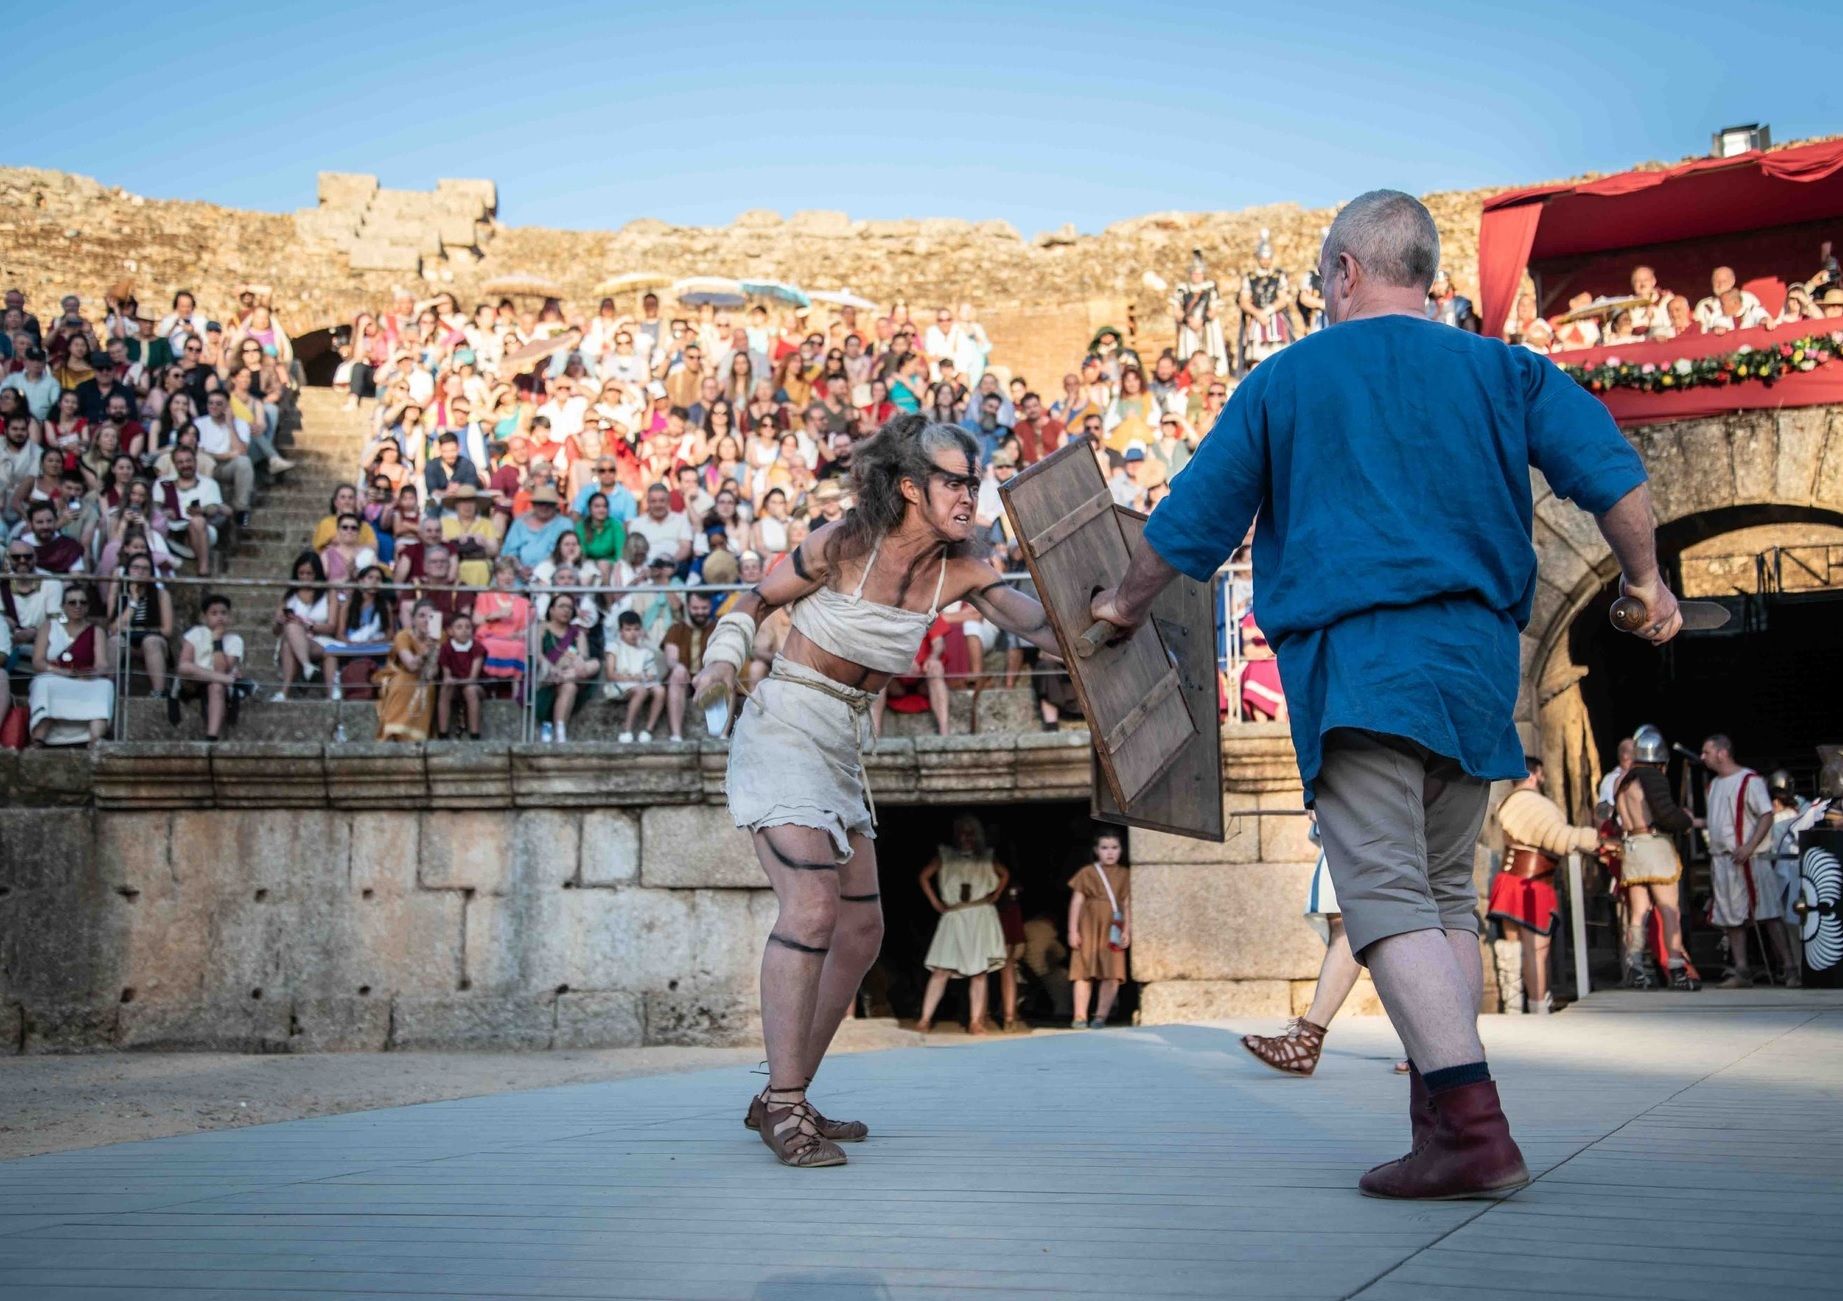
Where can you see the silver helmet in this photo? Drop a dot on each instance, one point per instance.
(1649, 745)
(1781, 780)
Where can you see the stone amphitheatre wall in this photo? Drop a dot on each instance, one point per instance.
(289, 897)
(64, 233)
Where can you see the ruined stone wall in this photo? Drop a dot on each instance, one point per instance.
(1218, 929)
(64, 233)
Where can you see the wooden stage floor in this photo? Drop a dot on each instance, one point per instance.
(1687, 1146)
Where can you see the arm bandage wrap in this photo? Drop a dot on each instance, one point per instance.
(732, 642)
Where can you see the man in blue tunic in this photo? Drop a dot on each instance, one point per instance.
(1387, 460)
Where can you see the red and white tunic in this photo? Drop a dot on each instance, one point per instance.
(1743, 890)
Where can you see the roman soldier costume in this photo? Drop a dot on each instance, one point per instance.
(1265, 287)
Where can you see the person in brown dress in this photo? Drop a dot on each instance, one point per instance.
(1100, 929)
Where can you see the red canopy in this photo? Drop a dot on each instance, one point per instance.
(1705, 198)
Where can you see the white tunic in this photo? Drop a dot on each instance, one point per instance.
(62, 700)
(1742, 891)
(967, 941)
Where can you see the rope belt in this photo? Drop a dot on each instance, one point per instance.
(857, 701)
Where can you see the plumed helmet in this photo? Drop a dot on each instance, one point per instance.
(1649, 745)
(1264, 248)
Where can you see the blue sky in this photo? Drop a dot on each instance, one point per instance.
(589, 115)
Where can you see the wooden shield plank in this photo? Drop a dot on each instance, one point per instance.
(1187, 800)
(1130, 692)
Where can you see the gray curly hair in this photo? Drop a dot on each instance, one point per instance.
(904, 448)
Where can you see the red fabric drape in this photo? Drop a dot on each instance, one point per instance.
(1504, 239)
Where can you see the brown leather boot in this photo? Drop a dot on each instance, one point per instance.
(1470, 1152)
(1421, 1115)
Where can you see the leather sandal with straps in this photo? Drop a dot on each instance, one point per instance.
(1294, 1051)
(790, 1130)
(839, 1131)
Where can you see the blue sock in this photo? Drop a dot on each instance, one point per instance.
(1453, 1077)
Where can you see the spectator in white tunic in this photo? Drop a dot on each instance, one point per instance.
(73, 696)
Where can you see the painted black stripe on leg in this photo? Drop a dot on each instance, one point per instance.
(872, 897)
(796, 864)
(796, 946)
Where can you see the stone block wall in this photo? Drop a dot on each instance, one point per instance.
(287, 896)
(290, 929)
(387, 230)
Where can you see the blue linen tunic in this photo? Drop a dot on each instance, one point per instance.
(1388, 460)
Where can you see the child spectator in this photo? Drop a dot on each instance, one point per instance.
(463, 670)
(631, 671)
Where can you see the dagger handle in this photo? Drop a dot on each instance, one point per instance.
(1627, 614)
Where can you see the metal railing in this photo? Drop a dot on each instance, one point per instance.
(1780, 570)
(1231, 593)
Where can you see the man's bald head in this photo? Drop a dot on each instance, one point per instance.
(1390, 235)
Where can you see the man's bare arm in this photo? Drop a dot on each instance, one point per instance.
(1128, 604)
(1630, 529)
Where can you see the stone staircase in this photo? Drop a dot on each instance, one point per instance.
(325, 450)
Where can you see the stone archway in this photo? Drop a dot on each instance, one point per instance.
(1707, 476)
(318, 352)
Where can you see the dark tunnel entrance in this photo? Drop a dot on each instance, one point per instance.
(1763, 679)
(1766, 680)
(1042, 844)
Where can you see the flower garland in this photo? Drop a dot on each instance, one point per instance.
(1765, 365)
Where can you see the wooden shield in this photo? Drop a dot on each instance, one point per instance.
(1187, 800)
(1130, 691)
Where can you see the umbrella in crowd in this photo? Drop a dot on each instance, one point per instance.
(525, 358)
(776, 290)
(516, 284)
(842, 298)
(633, 280)
(718, 291)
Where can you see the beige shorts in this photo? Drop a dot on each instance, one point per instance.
(1399, 825)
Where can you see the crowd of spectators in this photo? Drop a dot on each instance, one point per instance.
(1652, 313)
(133, 443)
(636, 457)
(511, 454)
